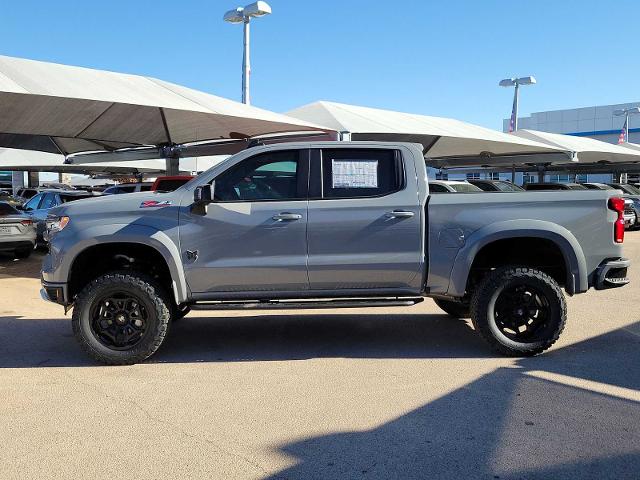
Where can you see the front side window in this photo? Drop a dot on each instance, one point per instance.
(267, 176)
(357, 173)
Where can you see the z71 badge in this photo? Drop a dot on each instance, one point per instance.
(154, 204)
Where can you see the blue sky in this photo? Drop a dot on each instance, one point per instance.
(436, 58)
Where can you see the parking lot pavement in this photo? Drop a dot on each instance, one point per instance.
(390, 393)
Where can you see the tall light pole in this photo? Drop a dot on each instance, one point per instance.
(516, 82)
(513, 121)
(626, 112)
(244, 15)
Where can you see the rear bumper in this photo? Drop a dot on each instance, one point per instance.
(612, 274)
(16, 245)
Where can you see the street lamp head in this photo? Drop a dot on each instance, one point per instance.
(526, 80)
(507, 82)
(257, 9)
(234, 16)
(624, 111)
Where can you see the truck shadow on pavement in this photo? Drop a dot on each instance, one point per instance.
(27, 342)
(545, 418)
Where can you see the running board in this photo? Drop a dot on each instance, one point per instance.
(302, 304)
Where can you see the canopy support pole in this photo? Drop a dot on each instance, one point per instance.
(172, 160)
(541, 172)
(513, 174)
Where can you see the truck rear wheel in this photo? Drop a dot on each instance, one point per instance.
(519, 311)
(454, 309)
(121, 318)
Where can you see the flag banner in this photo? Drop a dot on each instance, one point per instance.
(623, 134)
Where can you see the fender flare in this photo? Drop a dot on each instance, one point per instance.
(132, 233)
(575, 262)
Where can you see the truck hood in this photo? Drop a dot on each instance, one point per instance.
(123, 203)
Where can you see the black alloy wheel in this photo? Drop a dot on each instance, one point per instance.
(119, 320)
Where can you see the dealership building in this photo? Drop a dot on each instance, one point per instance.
(595, 122)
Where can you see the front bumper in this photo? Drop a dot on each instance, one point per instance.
(55, 292)
(612, 274)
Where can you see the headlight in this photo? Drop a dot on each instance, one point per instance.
(55, 225)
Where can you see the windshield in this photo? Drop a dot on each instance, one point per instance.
(630, 189)
(508, 187)
(465, 188)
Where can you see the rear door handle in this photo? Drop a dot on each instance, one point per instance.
(400, 214)
(286, 217)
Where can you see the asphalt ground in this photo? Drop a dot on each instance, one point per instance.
(370, 393)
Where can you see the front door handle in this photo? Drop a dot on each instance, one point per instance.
(286, 217)
(400, 214)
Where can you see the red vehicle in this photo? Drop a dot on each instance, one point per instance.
(170, 183)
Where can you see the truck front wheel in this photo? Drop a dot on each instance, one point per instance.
(519, 311)
(121, 318)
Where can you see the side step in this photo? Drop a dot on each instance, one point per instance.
(314, 303)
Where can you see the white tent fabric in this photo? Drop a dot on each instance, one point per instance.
(27, 160)
(64, 109)
(442, 138)
(587, 150)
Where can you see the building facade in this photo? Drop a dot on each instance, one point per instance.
(597, 122)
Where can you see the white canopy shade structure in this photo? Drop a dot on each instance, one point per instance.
(447, 142)
(32, 161)
(29, 160)
(67, 110)
(586, 150)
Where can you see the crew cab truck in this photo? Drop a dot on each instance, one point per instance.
(328, 225)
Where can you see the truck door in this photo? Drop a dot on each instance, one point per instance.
(365, 221)
(253, 237)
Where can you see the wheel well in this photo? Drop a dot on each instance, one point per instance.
(100, 259)
(539, 253)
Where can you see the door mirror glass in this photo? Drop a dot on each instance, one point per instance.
(203, 194)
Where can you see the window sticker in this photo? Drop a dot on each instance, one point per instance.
(354, 173)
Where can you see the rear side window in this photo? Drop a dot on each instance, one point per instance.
(73, 198)
(358, 173)
(6, 209)
(435, 188)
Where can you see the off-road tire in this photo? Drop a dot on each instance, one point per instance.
(22, 253)
(483, 315)
(155, 301)
(454, 309)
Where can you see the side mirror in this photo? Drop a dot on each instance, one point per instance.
(203, 194)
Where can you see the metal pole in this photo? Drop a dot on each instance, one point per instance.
(246, 63)
(626, 126)
(516, 99)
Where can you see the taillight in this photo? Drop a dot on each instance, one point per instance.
(617, 205)
(26, 223)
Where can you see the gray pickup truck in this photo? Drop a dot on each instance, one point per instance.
(328, 225)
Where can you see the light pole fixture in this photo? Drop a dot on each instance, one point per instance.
(516, 82)
(625, 128)
(244, 15)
